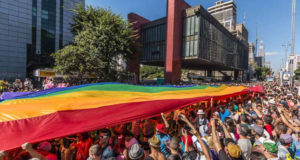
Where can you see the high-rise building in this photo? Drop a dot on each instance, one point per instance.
(251, 60)
(261, 54)
(251, 53)
(259, 61)
(30, 30)
(225, 13)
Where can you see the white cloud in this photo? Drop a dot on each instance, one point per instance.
(271, 53)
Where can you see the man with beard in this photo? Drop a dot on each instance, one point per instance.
(201, 122)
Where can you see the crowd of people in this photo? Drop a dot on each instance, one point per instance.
(28, 85)
(252, 126)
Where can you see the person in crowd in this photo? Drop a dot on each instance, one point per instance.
(270, 149)
(257, 132)
(244, 141)
(42, 152)
(82, 146)
(230, 125)
(163, 138)
(170, 123)
(230, 151)
(260, 123)
(189, 151)
(135, 153)
(18, 85)
(286, 141)
(257, 156)
(223, 113)
(95, 152)
(244, 121)
(105, 136)
(174, 146)
(155, 152)
(66, 153)
(129, 139)
(28, 84)
(201, 122)
(268, 123)
(3, 85)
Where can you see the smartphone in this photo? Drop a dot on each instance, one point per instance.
(187, 128)
(179, 117)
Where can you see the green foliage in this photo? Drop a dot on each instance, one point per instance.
(262, 72)
(101, 39)
(150, 72)
(297, 74)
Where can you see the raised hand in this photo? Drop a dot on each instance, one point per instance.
(26, 146)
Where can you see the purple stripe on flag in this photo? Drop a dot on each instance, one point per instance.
(10, 95)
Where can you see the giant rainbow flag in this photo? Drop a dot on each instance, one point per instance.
(58, 112)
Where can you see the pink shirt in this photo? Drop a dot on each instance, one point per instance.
(130, 143)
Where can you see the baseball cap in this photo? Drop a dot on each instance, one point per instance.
(259, 130)
(160, 127)
(270, 146)
(286, 138)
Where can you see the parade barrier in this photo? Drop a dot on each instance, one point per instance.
(61, 112)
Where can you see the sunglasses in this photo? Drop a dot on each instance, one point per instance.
(102, 137)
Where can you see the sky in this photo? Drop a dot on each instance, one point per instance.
(272, 18)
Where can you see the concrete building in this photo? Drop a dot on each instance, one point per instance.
(241, 33)
(29, 31)
(251, 53)
(293, 63)
(188, 38)
(225, 13)
(268, 64)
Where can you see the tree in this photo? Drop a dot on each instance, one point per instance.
(262, 72)
(101, 39)
(151, 72)
(84, 16)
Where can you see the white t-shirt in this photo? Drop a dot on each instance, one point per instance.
(246, 148)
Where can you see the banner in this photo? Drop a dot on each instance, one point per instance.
(60, 112)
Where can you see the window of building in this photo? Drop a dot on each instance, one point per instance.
(188, 26)
(45, 14)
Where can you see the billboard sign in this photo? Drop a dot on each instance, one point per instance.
(286, 76)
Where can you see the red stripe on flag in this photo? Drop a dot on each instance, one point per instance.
(14, 133)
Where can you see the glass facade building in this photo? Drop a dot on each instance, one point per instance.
(30, 30)
(153, 40)
(205, 43)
